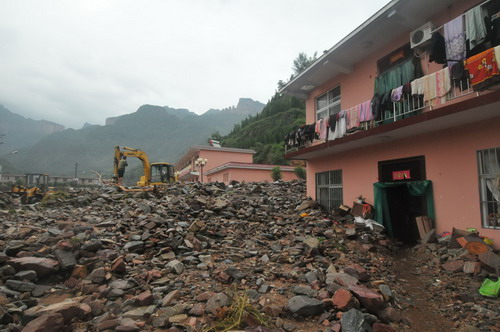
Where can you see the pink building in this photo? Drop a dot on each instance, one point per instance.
(224, 165)
(247, 172)
(215, 156)
(406, 126)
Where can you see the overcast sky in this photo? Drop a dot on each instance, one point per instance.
(78, 61)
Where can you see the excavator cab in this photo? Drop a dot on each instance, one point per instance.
(162, 173)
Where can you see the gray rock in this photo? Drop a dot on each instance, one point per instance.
(216, 302)
(354, 321)
(92, 245)
(311, 276)
(305, 306)
(20, 286)
(134, 246)
(28, 275)
(97, 276)
(65, 258)
(140, 313)
(176, 265)
(305, 290)
(7, 270)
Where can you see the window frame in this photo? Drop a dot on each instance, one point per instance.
(331, 103)
(332, 188)
(487, 206)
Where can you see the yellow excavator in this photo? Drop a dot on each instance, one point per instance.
(36, 186)
(155, 174)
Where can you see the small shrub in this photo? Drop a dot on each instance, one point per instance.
(276, 173)
(300, 172)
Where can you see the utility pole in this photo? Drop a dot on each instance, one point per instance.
(76, 172)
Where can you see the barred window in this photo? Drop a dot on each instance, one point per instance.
(329, 189)
(489, 186)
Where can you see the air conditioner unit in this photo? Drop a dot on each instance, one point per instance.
(421, 36)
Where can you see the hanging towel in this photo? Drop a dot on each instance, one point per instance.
(475, 28)
(323, 129)
(432, 86)
(483, 69)
(426, 88)
(443, 84)
(365, 112)
(417, 86)
(354, 117)
(454, 38)
(317, 128)
(340, 127)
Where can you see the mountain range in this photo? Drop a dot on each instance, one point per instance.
(164, 133)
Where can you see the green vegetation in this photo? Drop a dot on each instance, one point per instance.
(265, 132)
(300, 172)
(276, 173)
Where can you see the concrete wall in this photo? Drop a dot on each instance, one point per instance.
(249, 175)
(450, 161)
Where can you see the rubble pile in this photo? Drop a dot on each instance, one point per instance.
(454, 276)
(198, 257)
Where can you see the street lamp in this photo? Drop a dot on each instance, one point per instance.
(200, 162)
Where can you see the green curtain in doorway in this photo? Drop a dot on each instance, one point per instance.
(416, 188)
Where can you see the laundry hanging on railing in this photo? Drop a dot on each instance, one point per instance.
(475, 27)
(365, 111)
(433, 87)
(483, 68)
(454, 39)
(300, 136)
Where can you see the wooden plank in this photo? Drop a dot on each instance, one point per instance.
(424, 225)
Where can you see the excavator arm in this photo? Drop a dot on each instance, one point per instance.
(141, 155)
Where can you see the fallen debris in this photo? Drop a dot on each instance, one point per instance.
(209, 257)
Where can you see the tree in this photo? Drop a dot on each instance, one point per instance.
(276, 173)
(300, 172)
(302, 62)
(216, 136)
(299, 65)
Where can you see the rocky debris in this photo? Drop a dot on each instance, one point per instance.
(41, 266)
(45, 323)
(180, 260)
(354, 321)
(305, 306)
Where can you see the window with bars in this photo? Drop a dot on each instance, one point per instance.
(489, 186)
(328, 104)
(329, 189)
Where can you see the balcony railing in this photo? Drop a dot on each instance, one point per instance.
(415, 104)
(407, 107)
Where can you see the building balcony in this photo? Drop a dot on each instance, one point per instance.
(412, 115)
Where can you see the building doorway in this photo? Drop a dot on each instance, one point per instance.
(403, 194)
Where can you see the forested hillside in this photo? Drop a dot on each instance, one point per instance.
(265, 132)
